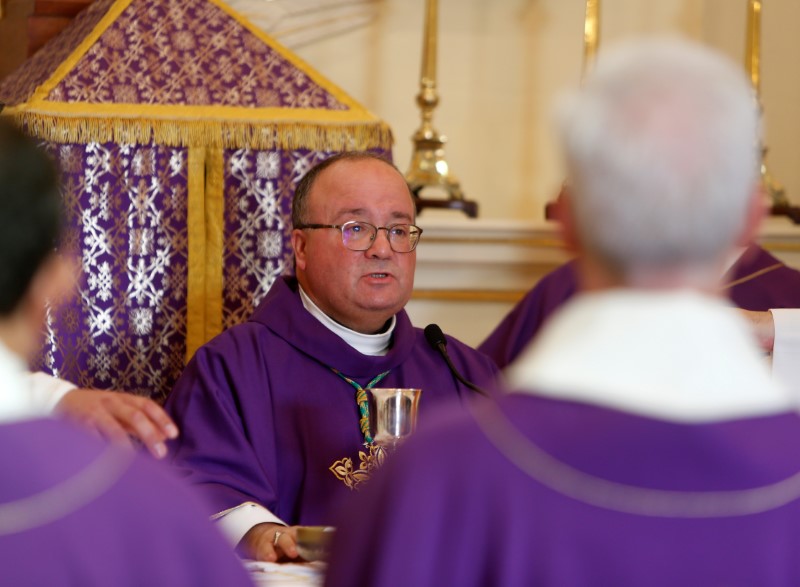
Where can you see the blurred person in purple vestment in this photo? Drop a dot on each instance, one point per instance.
(74, 510)
(754, 280)
(645, 442)
(272, 427)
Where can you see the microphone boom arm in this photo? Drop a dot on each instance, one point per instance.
(437, 340)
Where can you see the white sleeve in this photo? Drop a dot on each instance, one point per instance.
(236, 522)
(786, 348)
(48, 390)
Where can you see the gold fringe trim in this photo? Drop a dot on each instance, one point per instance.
(289, 135)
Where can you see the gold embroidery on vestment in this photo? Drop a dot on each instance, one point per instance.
(353, 478)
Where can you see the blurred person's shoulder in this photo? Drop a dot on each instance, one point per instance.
(68, 495)
(50, 452)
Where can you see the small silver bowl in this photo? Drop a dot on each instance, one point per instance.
(314, 542)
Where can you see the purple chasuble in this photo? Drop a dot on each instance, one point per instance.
(264, 419)
(608, 498)
(74, 511)
(757, 281)
(520, 325)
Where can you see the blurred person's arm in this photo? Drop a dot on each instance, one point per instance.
(778, 332)
(763, 326)
(113, 415)
(786, 346)
(48, 390)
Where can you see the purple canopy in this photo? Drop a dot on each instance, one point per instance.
(181, 130)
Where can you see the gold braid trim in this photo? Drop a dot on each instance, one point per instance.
(752, 276)
(288, 135)
(215, 236)
(196, 270)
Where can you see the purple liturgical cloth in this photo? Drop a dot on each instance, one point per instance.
(264, 419)
(197, 132)
(757, 281)
(519, 327)
(507, 496)
(76, 512)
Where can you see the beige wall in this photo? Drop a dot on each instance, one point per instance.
(502, 62)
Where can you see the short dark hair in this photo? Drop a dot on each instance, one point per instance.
(30, 212)
(304, 186)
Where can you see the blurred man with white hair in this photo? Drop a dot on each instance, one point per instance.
(646, 443)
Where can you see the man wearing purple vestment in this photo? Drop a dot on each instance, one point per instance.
(646, 442)
(273, 424)
(73, 510)
(756, 281)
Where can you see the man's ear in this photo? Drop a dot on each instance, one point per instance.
(757, 209)
(299, 247)
(52, 283)
(566, 219)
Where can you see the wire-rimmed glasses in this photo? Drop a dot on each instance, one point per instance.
(359, 236)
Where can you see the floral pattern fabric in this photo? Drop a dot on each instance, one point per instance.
(187, 53)
(125, 325)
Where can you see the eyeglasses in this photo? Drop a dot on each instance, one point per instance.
(359, 236)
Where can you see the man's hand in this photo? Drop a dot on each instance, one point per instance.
(262, 543)
(763, 327)
(115, 416)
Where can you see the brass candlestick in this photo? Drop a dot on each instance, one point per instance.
(591, 35)
(752, 64)
(429, 168)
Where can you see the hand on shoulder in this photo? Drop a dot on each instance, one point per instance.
(118, 415)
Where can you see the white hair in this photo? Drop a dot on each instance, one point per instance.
(662, 145)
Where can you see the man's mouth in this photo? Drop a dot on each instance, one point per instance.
(379, 275)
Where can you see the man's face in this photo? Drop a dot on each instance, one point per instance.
(359, 289)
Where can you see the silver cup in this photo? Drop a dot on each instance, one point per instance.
(392, 414)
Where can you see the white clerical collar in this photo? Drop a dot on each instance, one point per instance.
(677, 356)
(17, 401)
(376, 345)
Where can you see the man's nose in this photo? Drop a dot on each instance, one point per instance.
(380, 246)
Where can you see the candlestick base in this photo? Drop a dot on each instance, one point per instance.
(429, 169)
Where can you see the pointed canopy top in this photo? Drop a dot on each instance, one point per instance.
(186, 73)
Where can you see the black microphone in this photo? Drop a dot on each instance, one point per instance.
(437, 340)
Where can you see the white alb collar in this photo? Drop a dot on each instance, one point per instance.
(677, 356)
(17, 401)
(376, 345)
